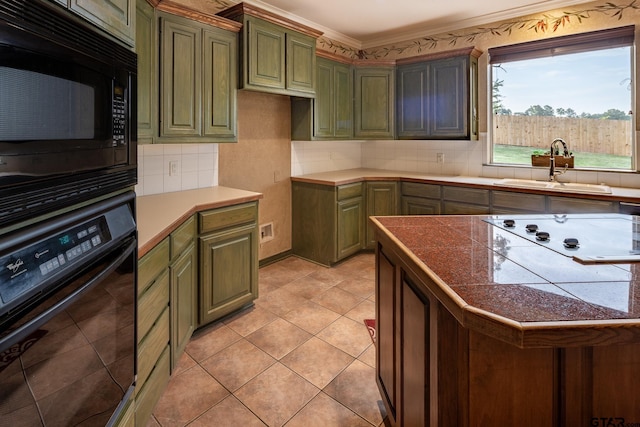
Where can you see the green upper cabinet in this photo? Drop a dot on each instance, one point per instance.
(301, 64)
(181, 77)
(277, 55)
(437, 96)
(330, 114)
(146, 42)
(374, 102)
(220, 84)
(264, 55)
(198, 82)
(117, 17)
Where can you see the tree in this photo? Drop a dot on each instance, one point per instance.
(498, 107)
(615, 114)
(537, 110)
(569, 112)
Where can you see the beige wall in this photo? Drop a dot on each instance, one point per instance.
(261, 161)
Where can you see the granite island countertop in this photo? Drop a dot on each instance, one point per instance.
(160, 214)
(348, 176)
(513, 289)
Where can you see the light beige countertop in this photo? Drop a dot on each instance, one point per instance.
(348, 176)
(159, 214)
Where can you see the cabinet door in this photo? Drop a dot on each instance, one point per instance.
(220, 83)
(265, 55)
(387, 329)
(382, 199)
(415, 336)
(374, 106)
(180, 68)
(412, 97)
(324, 109)
(183, 302)
(350, 227)
(146, 42)
(333, 104)
(449, 98)
(343, 101)
(228, 275)
(114, 16)
(301, 64)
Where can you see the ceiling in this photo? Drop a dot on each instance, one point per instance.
(370, 23)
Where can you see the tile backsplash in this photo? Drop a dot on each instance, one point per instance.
(194, 166)
(449, 158)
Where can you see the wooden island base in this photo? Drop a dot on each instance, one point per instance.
(433, 371)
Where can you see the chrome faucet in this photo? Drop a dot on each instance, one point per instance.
(552, 160)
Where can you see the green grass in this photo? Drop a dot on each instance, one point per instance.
(516, 155)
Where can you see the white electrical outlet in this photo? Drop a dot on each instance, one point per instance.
(440, 157)
(174, 167)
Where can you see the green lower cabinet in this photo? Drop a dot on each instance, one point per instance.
(349, 227)
(226, 282)
(228, 256)
(184, 281)
(382, 200)
(327, 221)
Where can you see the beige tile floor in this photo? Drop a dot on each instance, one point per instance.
(300, 357)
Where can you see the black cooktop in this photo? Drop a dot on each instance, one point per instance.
(587, 238)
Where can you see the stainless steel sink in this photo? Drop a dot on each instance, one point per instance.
(568, 187)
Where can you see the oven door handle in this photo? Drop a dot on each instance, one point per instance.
(32, 325)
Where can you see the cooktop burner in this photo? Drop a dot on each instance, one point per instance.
(587, 238)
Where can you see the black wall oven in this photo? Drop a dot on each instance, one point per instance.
(68, 248)
(67, 110)
(68, 316)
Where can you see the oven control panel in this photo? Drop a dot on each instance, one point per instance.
(26, 270)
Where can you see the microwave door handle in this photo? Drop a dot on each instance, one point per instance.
(32, 325)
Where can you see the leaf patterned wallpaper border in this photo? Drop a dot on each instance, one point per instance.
(543, 23)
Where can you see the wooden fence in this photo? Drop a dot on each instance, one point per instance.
(581, 135)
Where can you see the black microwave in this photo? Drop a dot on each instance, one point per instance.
(67, 110)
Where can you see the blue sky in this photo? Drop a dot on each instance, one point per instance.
(590, 82)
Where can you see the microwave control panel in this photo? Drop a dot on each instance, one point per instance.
(119, 116)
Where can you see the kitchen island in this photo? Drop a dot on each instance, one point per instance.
(481, 325)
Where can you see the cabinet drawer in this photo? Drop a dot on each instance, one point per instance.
(429, 191)
(152, 303)
(349, 190)
(226, 217)
(562, 205)
(152, 264)
(152, 345)
(182, 237)
(466, 195)
(519, 201)
(458, 208)
(152, 390)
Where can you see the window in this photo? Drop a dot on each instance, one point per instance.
(578, 88)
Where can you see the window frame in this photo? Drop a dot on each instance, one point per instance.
(562, 45)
